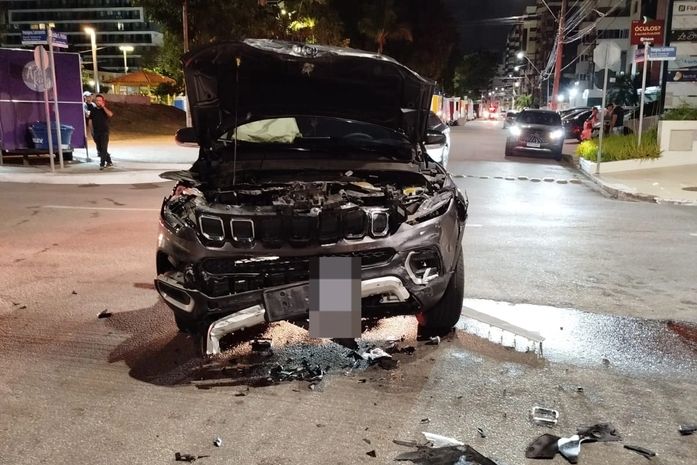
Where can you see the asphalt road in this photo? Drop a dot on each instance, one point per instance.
(129, 389)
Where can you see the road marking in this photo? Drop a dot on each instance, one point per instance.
(70, 207)
(693, 234)
(474, 225)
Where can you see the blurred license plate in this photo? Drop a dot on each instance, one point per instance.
(533, 144)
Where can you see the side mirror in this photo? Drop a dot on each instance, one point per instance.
(186, 137)
(435, 138)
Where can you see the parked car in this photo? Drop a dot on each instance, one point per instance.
(329, 164)
(439, 152)
(573, 124)
(539, 131)
(569, 111)
(509, 120)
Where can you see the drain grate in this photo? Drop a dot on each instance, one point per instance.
(690, 189)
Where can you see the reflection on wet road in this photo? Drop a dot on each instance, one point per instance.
(632, 346)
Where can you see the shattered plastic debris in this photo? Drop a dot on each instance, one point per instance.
(395, 349)
(641, 450)
(306, 372)
(544, 447)
(686, 430)
(218, 442)
(371, 453)
(570, 448)
(544, 416)
(104, 314)
(433, 341)
(481, 433)
(179, 457)
(441, 441)
(448, 455)
(602, 432)
(260, 344)
(374, 354)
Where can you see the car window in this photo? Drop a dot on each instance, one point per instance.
(540, 117)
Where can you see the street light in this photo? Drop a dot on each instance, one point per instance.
(93, 39)
(125, 49)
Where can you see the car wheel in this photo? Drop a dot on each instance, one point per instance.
(509, 149)
(558, 154)
(441, 318)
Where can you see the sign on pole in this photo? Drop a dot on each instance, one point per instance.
(662, 53)
(34, 37)
(607, 55)
(41, 62)
(649, 31)
(59, 39)
(56, 111)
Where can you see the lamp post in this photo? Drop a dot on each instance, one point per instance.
(93, 39)
(125, 49)
(521, 55)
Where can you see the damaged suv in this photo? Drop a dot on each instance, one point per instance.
(306, 151)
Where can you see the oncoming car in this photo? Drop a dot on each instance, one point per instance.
(307, 151)
(538, 131)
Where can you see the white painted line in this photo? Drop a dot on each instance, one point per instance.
(693, 234)
(70, 207)
(468, 225)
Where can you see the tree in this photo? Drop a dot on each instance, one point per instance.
(471, 77)
(623, 91)
(380, 24)
(523, 101)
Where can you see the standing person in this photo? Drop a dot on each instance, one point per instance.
(99, 115)
(607, 118)
(618, 119)
(88, 103)
(589, 124)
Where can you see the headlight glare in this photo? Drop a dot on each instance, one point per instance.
(556, 134)
(515, 130)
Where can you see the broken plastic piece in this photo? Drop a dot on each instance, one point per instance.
(545, 416)
(686, 430)
(602, 432)
(218, 442)
(371, 453)
(104, 314)
(375, 354)
(544, 447)
(445, 455)
(641, 450)
(179, 457)
(434, 341)
(441, 441)
(481, 433)
(260, 344)
(570, 448)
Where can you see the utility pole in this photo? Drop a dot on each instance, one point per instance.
(560, 55)
(185, 26)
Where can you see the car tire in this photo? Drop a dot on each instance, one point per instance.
(509, 149)
(558, 154)
(443, 316)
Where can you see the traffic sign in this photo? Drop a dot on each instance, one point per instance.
(59, 39)
(607, 55)
(34, 37)
(662, 53)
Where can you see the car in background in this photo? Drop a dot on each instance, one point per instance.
(538, 131)
(569, 111)
(509, 120)
(573, 124)
(439, 152)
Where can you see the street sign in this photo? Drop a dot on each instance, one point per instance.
(34, 37)
(607, 55)
(684, 35)
(650, 31)
(59, 39)
(662, 53)
(41, 57)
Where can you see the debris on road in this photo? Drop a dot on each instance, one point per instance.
(436, 440)
(448, 455)
(425, 420)
(305, 372)
(544, 447)
(433, 341)
(544, 416)
(395, 349)
(74, 293)
(388, 363)
(179, 457)
(602, 432)
(367, 441)
(260, 344)
(371, 453)
(375, 354)
(570, 448)
(686, 430)
(641, 450)
(218, 442)
(105, 314)
(481, 433)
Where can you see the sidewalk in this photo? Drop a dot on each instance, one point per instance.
(135, 162)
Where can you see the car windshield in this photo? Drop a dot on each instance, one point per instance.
(546, 118)
(315, 132)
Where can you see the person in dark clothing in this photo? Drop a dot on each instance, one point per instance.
(618, 119)
(99, 117)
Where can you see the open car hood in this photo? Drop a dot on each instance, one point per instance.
(259, 78)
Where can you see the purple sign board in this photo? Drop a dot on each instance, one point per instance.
(22, 97)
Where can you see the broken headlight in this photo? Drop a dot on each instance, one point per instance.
(423, 265)
(433, 206)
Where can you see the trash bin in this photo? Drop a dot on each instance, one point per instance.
(39, 135)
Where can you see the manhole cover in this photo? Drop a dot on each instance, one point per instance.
(691, 189)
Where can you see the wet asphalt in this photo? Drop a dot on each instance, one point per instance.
(607, 283)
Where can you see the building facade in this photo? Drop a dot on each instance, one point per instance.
(117, 23)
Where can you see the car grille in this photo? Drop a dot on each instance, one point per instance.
(242, 274)
(534, 138)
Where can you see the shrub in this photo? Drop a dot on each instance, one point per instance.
(617, 148)
(681, 113)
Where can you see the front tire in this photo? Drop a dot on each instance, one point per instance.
(441, 318)
(509, 149)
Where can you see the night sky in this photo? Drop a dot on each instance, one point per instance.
(484, 36)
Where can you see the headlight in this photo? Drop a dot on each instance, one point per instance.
(433, 206)
(556, 134)
(515, 130)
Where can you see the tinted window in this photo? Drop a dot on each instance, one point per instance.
(540, 117)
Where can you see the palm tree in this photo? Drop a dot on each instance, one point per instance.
(380, 24)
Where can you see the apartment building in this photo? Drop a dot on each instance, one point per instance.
(116, 22)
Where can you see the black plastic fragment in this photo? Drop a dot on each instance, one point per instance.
(371, 453)
(450, 455)
(544, 447)
(602, 432)
(179, 457)
(686, 430)
(260, 344)
(481, 433)
(105, 314)
(641, 450)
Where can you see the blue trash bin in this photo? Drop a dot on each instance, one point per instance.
(39, 135)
